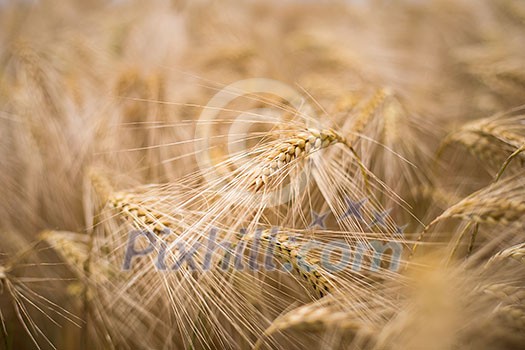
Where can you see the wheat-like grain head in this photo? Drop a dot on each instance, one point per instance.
(516, 252)
(298, 147)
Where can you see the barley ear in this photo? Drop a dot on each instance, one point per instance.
(516, 252)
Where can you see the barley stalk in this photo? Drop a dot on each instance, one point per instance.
(505, 292)
(72, 246)
(516, 252)
(314, 318)
(128, 98)
(288, 252)
(499, 203)
(509, 160)
(299, 147)
(23, 299)
(129, 206)
(511, 308)
(491, 139)
(367, 112)
(500, 130)
(101, 184)
(495, 210)
(135, 213)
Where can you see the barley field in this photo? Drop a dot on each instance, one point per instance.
(262, 174)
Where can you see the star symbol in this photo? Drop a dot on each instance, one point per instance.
(400, 230)
(379, 219)
(354, 208)
(318, 219)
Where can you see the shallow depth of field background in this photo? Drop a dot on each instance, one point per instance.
(101, 106)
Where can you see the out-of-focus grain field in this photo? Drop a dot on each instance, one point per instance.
(262, 174)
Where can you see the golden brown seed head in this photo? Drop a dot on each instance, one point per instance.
(300, 146)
